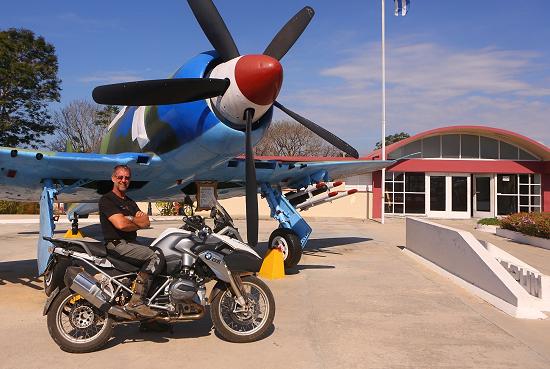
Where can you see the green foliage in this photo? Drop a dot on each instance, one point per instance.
(28, 82)
(532, 224)
(14, 207)
(165, 207)
(106, 115)
(174, 208)
(392, 139)
(489, 221)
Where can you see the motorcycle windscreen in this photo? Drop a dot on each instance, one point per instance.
(241, 261)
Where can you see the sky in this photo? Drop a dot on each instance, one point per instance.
(447, 62)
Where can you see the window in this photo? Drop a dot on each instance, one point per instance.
(524, 155)
(469, 147)
(412, 149)
(459, 190)
(431, 147)
(518, 192)
(450, 146)
(404, 193)
(508, 151)
(488, 148)
(461, 147)
(438, 194)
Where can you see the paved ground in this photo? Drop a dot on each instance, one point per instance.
(355, 301)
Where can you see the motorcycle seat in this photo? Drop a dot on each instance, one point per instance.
(91, 248)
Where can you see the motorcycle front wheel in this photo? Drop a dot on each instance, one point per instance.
(76, 325)
(236, 323)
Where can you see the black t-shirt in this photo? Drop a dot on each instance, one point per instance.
(110, 204)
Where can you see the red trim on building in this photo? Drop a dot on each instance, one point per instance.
(377, 194)
(468, 166)
(545, 187)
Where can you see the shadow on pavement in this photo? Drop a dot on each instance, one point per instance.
(20, 272)
(299, 267)
(130, 333)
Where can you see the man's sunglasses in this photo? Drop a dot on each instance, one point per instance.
(120, 178)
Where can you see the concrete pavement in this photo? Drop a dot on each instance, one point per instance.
(354, 301)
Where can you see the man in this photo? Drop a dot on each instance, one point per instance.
(120, 218)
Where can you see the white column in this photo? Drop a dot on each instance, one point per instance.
(383, 153)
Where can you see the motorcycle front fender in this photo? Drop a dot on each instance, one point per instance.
(218, 288)
(49, 301)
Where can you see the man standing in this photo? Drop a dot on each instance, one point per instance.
(120, 218)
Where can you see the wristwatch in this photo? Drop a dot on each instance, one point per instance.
(130, 218)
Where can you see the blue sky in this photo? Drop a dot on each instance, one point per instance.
(448, 62)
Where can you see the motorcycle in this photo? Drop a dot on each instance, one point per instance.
(84, 307)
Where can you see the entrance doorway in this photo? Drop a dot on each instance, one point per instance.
(448, 195)
(482, 202)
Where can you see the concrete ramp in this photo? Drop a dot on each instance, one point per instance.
(485, 270)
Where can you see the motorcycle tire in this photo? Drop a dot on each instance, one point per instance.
(53, 277)
(288, 241)
(71, 316)
(247, 326)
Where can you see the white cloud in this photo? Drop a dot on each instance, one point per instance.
(428, 86)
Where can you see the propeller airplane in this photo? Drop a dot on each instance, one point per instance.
(190, 128)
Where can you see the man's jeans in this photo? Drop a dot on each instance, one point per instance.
(135, 254)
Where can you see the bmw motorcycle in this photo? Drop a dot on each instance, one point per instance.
(85, 305)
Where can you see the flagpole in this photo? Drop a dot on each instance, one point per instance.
(383, 155)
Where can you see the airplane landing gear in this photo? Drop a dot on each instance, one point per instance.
(287, 241)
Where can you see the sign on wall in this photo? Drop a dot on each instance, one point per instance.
(206, 195)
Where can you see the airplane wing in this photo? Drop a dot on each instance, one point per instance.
(287, 172)
(23, 172)
(85, 176)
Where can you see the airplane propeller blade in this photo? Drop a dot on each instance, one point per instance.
(251, 185)
(321, 132)
(214, 28)
(159, 91)
(291, 31)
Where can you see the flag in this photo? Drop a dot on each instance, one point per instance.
(401, 7)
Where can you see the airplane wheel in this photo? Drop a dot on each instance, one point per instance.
(289, 243)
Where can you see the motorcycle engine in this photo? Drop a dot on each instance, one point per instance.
(183, 291)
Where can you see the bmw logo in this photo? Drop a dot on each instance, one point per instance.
(208, 256)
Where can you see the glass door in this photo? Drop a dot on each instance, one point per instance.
(483, 204)
(449, 195)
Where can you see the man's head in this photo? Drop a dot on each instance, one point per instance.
(121, 178)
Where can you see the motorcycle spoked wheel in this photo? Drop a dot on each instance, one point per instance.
(237, 324)
(76, 325)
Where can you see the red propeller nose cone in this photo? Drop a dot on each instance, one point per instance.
(259, 78)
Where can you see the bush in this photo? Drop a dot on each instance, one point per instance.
(14, 207)
(532, 224)
(489, 221)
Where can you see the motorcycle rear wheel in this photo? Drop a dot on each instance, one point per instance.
(241, 325)
(76, 325)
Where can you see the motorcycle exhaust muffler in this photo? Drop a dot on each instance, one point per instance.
(87, 286)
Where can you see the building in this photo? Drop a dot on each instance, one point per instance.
(463, 172)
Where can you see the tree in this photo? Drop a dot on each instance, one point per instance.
(28, 82)
(392, 139)
(286, 138)
(81, 125)
(106, 115)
